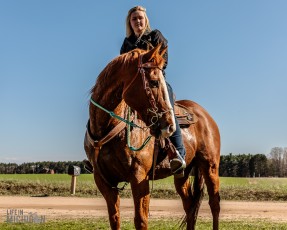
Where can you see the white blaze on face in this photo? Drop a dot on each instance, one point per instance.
(167, 131)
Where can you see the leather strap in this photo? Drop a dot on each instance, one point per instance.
(99, 143)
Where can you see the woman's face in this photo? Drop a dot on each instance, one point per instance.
(138, 22)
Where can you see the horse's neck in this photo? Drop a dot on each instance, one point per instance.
(108, 91)
(108, 94)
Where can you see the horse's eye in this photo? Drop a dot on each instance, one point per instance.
(154, 84)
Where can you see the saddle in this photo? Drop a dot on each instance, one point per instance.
(184, 117)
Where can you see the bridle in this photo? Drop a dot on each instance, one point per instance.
(146, 85)
(147, 88)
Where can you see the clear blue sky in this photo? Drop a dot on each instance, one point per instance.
(228, 56)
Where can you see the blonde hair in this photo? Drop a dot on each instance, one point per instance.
(129, 30)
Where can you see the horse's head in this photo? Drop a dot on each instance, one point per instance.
(146, 92)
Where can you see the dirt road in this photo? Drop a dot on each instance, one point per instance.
(73, 207)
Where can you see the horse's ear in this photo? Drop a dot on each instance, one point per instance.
(150, 54)
(163, 51)
(158, 47)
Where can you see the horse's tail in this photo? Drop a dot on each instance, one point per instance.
(197, 193)
(197, 197)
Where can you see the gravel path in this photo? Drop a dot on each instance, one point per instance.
(56, 208)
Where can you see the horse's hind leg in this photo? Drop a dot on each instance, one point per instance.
(141, 196)
(191, 197)
(112, 199)
(211, 177)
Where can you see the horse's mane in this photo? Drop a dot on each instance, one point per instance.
(115, 65)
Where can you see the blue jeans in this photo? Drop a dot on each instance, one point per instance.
(176, 138)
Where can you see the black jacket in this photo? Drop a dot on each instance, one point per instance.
(147, 42)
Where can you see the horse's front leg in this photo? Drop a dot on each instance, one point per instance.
(112, 199)
(141, 196)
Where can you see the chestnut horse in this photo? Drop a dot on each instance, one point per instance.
(135, 79)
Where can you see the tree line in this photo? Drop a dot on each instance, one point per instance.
(259, 165)
(240, 165)
(49, 167)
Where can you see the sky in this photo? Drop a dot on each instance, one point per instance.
(228, 56)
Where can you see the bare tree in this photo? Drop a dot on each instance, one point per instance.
(284, 162)
(276, 156)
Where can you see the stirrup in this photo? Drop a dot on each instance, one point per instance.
(179, 174)
(177, 165)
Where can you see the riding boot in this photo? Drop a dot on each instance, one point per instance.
(177, 164)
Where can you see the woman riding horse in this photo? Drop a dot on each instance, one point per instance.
(135, 79)
(140, 35)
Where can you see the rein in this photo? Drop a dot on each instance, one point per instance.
(129, 136)
(112, 114)
(128, 122)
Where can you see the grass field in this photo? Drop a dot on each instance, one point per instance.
(59, 185)
(271, 189)
(88, 224)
